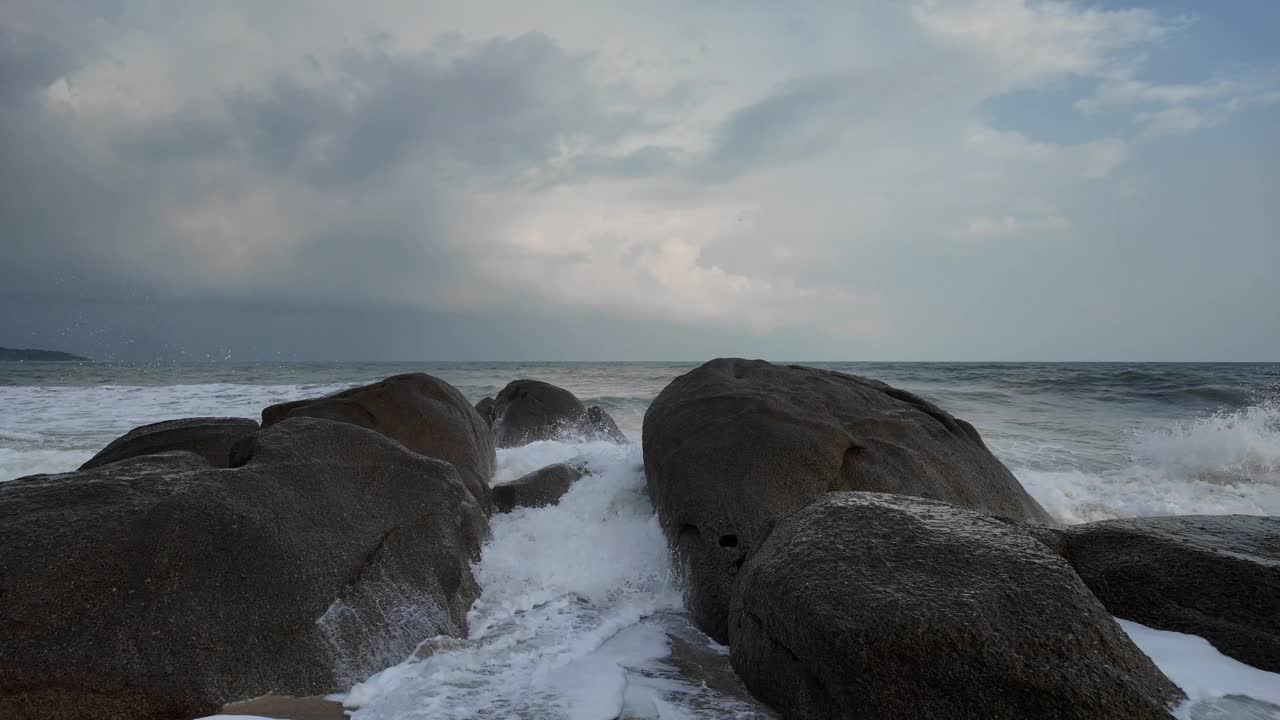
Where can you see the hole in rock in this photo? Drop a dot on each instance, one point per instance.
(728, 541)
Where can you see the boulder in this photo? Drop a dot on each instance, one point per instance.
(537, 489)
(160, 587)
(869, 605)
(734, 446)
(600, 425)
(530, 410)
(1215, 576)
(209, 437)
(485, 408)
(421, 412)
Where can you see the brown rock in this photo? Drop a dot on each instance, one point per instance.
(1216, 576)
(733, 447)
(876, 606)
(537, 489)
(530, 410)
(160, 587)
(210, 438)
(421, 412)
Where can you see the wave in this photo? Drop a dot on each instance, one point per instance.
(1239, 446)
(1228, 462)
(575, 616)
(1206, 387)
(21, 463)
(1214, 394)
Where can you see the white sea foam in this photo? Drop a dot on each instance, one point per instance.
(1225, 463)
(1216, 685)
(567, 625)
(16, 463)
(1224, 448)
(53, 429)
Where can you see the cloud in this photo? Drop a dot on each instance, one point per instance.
(762, 171)
(1161, 110)
(1007, 226)
(1034, 40)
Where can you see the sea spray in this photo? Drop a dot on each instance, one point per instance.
(570, 623)
(1227, 462)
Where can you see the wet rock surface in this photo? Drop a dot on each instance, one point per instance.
(1214, 576)
(733, 447)
(867, 605)
(531, 410)
(539, 488)
(209, 437)
(161, 587)
(420, 411)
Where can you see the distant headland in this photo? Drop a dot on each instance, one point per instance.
(13, 354)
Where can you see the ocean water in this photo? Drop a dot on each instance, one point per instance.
(580, 617)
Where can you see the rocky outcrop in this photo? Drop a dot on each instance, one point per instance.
(1213, 576)
(537, 489)
(530, 410)
(600, 425)
(33, 355)
(160, 587)
(867, 605)
(209, 437)
(421, 412)
(485, 408)
(735, 446)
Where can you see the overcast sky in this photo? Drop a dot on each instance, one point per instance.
(985, 179)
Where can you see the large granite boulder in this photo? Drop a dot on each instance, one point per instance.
(209, 437)
(876, 606)
(734, 446)
(160, 587)
(421, 412)
(539, 488)
(1215, 576)
(530, 410)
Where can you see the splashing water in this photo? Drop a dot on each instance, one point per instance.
(577, 617)
(1224, 448)
(1228, 462)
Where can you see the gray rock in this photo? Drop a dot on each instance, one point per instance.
(1215, 576)
(485, 408)
(531, 410)
(868, 606)
(209, 437)
(600, 425)
(421, 412)
(537, 489)
(734, 446)
(160, 587)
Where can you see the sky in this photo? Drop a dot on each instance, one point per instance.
(608, 180)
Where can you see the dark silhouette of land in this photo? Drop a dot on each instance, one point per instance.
(12, 354)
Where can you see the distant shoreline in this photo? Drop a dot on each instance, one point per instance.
(29, 354)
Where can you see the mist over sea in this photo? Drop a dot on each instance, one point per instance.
(579, 611)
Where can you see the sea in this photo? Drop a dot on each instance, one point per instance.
(580, 616)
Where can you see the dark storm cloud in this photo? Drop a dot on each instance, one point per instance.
(29, 63)
(493, 112)
(789, 124)
(401, 131)
(209, 176)
(772, 130)
(391, 133)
